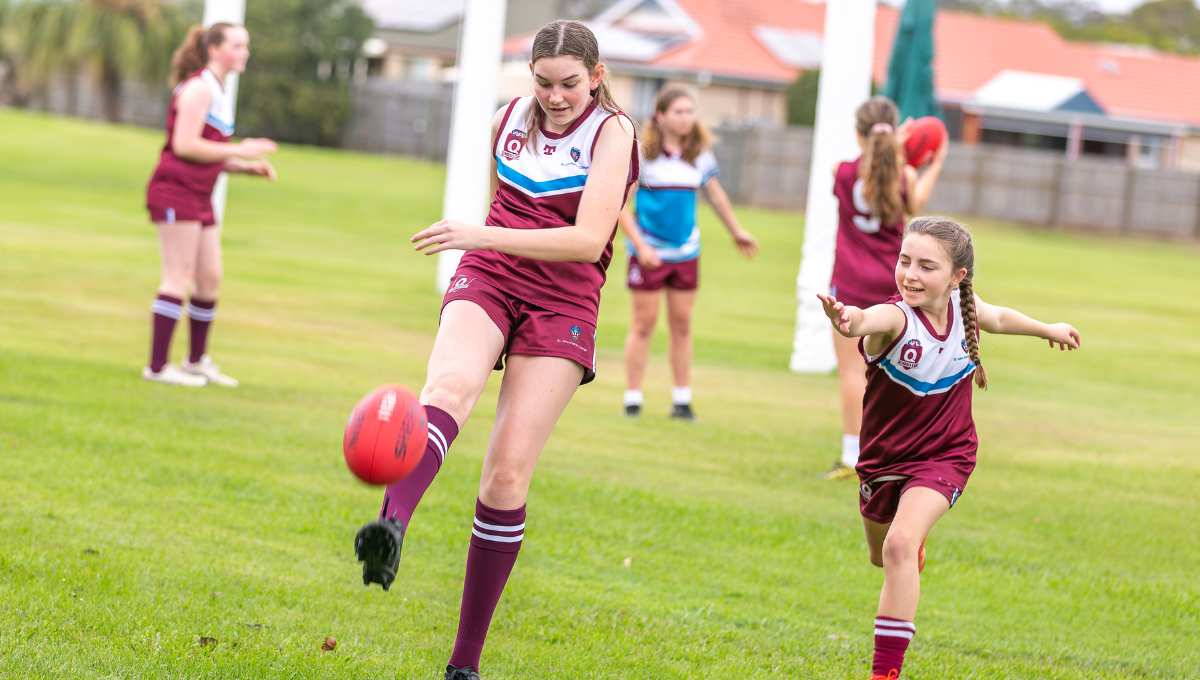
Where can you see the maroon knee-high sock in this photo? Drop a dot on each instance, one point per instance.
(200, 318)
(495, 541)
(891, 641)
(165, 311)
(402, 496)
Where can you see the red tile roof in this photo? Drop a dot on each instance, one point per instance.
(970, 50)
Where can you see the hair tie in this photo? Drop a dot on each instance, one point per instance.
(883, 128)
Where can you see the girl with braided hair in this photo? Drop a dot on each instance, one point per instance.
(919, 442)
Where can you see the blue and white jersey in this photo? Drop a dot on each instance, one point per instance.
(666, 204)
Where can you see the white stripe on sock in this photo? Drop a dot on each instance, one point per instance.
(888, 623)
(200, 313)
(167, 309)
(439, 441)
(499, 527)
(884, 632)
(497, 539)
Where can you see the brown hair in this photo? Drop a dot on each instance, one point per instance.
(192, 53)
(882, 164)
(570, 39)
(957, 243)
(696, 142)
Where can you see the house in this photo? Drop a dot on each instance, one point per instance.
(1000, 80)
(418, 39)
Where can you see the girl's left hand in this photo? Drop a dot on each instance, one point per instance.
(449, 235)
(260, 168)
(1064, 335)
(745, 242)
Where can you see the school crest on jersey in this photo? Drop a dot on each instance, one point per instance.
(575, 153)
(910, 354)
(513, 143)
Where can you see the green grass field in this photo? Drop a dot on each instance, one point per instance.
(136, 518)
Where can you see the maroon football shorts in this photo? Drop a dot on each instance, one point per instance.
(674, 275)
(879, 497)
(169, 205)
(528, 329)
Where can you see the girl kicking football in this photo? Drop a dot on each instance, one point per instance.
(919, 442)
(526, 297)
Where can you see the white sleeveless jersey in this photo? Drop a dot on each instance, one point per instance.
(551, 166)
(920, 360)
(220, 111)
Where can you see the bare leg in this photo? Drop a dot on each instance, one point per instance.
(533, 395)
(641, 329)
(680, 304)
(852, 374)
(920, 507)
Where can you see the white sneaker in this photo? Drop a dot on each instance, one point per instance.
(206, 369)
(171, 375)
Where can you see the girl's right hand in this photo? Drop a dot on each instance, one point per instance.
(838, 313)
(648, 258)
(255, 147)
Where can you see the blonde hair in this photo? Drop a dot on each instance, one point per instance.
(570, 39)
(882, 164)
(192, 53)
(695, 143)
(956, 241)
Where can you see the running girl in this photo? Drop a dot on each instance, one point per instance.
(179, 197)
(526, 294)
(919, 441)
(875, 193)
(664, 241)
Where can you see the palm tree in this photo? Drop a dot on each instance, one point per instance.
(109, 40)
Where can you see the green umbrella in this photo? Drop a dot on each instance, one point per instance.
(910, 71)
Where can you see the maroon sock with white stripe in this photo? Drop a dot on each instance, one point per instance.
(495, 541)
(402, 496)
(891, 641)
(165, 311)
(200, 317)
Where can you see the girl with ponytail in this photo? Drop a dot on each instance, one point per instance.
(922, 350)
(525, 300)
(876, 193)
(198, 149)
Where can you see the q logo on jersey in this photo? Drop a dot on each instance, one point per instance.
(910, 354)
(513, 144)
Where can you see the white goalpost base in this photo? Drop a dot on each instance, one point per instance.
(475, 92)
(234, 12)
(846, 57)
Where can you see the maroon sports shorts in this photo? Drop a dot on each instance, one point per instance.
(528, 329)
(674, 275)
(169, 205)
(879, 497)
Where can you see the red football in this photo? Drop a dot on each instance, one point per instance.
(925, 136)
(386, 435)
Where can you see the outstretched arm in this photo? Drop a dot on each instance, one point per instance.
(855, 322)
(1008, 321)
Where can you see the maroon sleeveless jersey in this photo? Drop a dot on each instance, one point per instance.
(540, 182)
(864, 262)
(173, 174)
